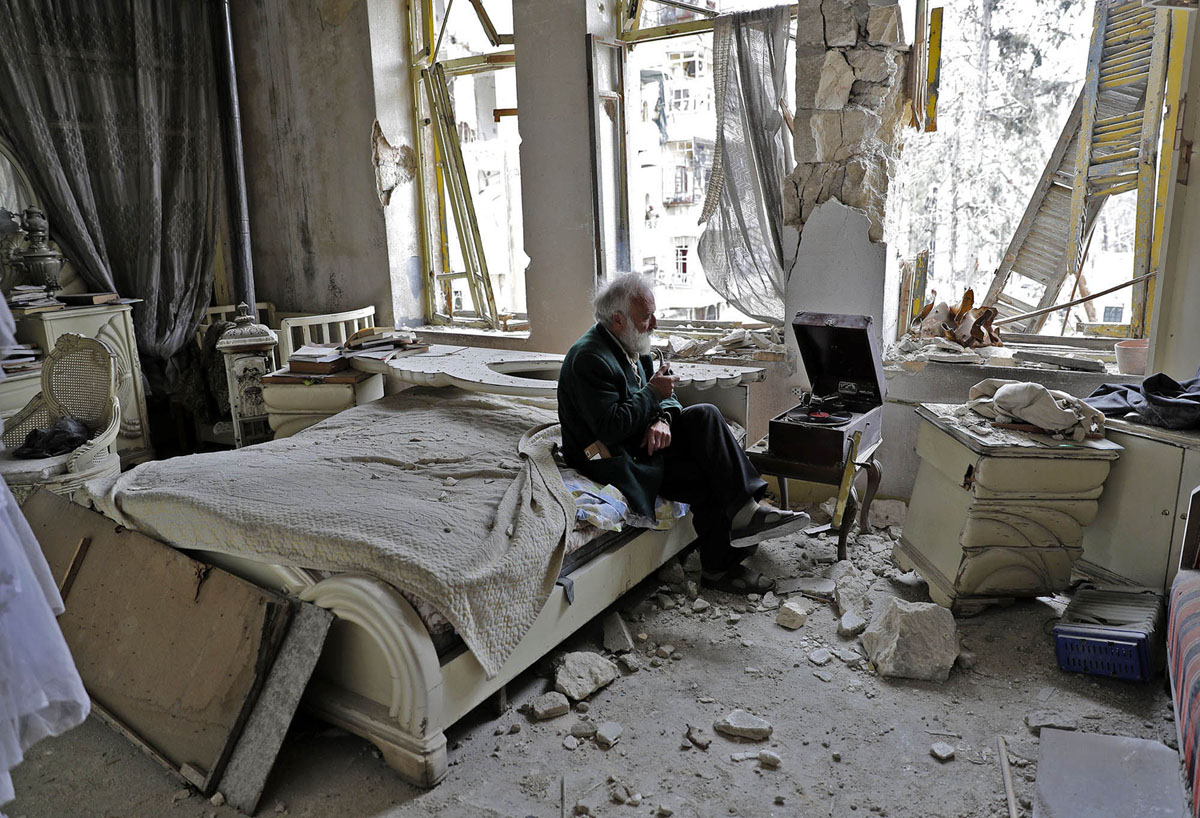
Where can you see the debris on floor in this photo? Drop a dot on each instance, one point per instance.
(582, 673)
(912, 640)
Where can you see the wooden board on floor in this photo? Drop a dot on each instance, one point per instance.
(173, 649)
(246, 774)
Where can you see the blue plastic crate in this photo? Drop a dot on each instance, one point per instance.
(1114, 633)
(1115, 652)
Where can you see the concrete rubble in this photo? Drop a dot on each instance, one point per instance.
(792, 615)
(617, 638)
(608, 734)
(850, 67)
(550, 705)
(941, 751)
(743, 725)
(912, 640)
(851, 624)
(583, 673)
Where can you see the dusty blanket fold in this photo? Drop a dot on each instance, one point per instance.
(447, 495)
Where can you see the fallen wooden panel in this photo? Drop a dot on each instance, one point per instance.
(172, 649)
(246, 774)
(1087, 775)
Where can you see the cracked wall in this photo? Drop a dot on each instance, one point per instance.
(850, 62)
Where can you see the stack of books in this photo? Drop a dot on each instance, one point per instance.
(317, 359)
(27, 299)
(21, 359)
(382, 344)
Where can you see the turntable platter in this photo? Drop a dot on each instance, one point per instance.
(818, 417)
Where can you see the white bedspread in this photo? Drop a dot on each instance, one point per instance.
(437, 491)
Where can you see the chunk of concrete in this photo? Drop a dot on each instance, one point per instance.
(549, 705)
(912, 640)
(941, 751)
(608, 734)
(582, 673)
(1039, 719)
(851, 588)
(769, 759)
(617, 637)
(841, 24)
(819, 586)
(851, 624)
(630, 662)
(820, 656)
(837, 77)
(792, 615)
(885, 26)
(744, 725)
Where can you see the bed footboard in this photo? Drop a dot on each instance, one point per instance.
(379, 676)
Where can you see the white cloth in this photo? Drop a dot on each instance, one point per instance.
(40, 690)
(1024, 402)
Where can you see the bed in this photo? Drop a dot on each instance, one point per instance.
(436, 526)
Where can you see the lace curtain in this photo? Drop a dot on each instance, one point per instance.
(741, 247)
(111, 106)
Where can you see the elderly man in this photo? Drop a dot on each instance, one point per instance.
(622, 425)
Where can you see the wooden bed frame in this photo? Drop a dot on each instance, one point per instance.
(380, 677)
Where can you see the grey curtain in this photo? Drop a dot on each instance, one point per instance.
(111, 106)
(741, 248)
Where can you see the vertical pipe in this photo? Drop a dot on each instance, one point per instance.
(235, 170)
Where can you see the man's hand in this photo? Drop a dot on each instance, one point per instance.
(663, 382)
(657, 437)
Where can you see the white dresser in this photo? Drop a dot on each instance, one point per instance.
(995, 514)
(1138, 534)
(112, 324)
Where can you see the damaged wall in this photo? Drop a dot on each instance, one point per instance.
(313, 78)
(850, 61)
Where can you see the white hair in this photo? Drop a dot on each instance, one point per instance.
(617, 294)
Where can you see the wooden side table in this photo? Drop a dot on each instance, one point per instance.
(841, 475)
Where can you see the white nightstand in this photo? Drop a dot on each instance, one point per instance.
(294, 404)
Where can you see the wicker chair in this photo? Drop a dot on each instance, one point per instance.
(79, 379)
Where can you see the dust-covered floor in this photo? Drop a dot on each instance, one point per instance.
(854, 745)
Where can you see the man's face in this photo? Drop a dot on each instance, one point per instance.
(636, 329)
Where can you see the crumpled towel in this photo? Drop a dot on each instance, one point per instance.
(1024, 402)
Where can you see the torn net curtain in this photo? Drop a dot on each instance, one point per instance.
(111, 107)
(741, 247)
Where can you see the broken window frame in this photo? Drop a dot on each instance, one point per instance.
(612, 253)
(441, 174)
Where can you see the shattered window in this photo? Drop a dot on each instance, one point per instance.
(1010, 75)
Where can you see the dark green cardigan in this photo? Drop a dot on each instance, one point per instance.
(601, 398)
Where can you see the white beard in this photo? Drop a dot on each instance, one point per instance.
(635, 343)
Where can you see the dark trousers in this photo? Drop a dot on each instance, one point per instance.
(707, 469)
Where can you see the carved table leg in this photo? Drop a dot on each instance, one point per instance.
(847, 523)
(874, 478)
